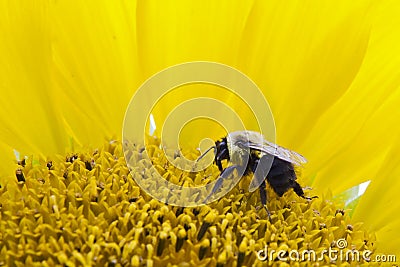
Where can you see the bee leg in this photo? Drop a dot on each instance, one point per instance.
(299, 191)
(223, 154)
(263, 196)
(225, 174)
(260, 175)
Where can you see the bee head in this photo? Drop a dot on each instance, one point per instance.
(221, 145)
(220, 152)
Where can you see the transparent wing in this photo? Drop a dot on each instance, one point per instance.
(271, 150)
(278, 151)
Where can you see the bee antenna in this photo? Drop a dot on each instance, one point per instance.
(205, 153)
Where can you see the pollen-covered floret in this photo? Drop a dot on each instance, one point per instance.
(85, 209)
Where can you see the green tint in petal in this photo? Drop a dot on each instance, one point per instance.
(351, 197)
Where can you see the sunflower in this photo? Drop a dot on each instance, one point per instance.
(329, 71)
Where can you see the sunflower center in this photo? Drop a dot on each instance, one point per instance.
(86, 209)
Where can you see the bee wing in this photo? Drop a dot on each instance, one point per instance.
(271, 150)
(278, 151)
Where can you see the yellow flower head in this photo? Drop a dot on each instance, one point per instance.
(330, 73)
(87, 210)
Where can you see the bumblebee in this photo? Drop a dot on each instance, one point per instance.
(249, 152)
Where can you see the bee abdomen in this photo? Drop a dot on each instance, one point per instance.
(281, 176)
